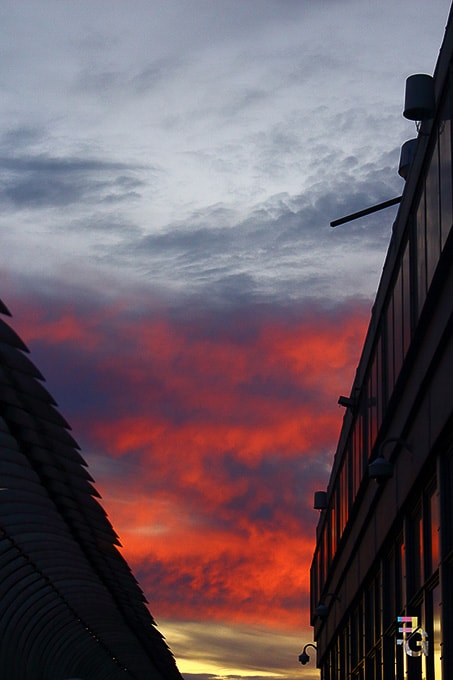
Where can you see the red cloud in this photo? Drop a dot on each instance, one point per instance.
(215, 431)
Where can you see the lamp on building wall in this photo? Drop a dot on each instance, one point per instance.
(303, 656)
(381, 469)
(322, 609)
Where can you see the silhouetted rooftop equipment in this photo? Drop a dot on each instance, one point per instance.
(419, 103)
(347, 402)
(320, 500)
(406, 157)
(366, 211)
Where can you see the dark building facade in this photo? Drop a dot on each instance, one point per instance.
(382, 571)
(69, 604)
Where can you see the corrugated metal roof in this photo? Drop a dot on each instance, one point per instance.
(69, 604)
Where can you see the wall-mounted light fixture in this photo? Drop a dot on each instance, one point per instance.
(322, 609)
(381, 469)
(303, 656)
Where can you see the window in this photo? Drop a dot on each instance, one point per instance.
(433, 240)
(342, 498)
(445, 169)
(370, 617)
(356, 636)
(415, 553)
(437, 632)
(389, 589)
(390, 345)
(333, 526)
(375, 394)
(421, 253)
(357, 456)
(398, 337)
(446, 480)
(434, 527)
(406, 310)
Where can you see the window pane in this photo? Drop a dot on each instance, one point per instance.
(375, 394)
(434, 530)
(437, 634)
(398, 324)
(357, 454)
(446, 212)
(390, 347)
(407, 300)
(432, 217)
(414, 553)
(421, 253)
(389, 589)
(333, 526)
(369, 617)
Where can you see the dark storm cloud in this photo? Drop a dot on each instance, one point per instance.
(38, 181)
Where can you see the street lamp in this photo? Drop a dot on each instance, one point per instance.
(303, 656)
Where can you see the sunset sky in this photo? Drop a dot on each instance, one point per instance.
(168, 172)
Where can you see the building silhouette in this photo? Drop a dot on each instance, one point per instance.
(69, 604)
(382, 571)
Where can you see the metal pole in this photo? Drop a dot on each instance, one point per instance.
(366, 211)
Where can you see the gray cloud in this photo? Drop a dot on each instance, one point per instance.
(283, 248)
(36, 181)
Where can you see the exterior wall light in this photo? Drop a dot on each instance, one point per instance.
(322, 609)
(381, 469)
(303, 656)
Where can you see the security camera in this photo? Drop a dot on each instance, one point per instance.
(347, 402)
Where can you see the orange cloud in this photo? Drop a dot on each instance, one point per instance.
(207, 436)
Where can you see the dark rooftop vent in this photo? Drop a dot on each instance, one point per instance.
(419, 102)
(320, 500)
(406, 157)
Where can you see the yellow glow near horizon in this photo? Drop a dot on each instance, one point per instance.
(194, 666)
(224, 651)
